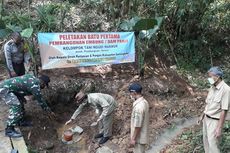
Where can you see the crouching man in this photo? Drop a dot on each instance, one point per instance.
(104, 105)
(12, 92)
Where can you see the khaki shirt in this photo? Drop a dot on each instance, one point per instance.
(140, 118)
(218, 99)
(99, 101)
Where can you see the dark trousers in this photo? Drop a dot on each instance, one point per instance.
(19, 69)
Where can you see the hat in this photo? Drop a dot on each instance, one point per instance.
(45, 79)
(80, 96)
(216, 71)
(135, 87)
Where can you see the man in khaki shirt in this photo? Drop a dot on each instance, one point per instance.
(217, 106)
(105, 105)
(139, 119)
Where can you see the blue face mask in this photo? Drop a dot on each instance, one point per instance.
(211, 81)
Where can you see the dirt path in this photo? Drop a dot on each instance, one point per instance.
(169, 134)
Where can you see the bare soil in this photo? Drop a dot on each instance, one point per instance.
(167, 100)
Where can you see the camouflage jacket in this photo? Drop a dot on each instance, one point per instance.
(24, 86)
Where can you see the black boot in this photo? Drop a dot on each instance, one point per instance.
(103, 140)
(100, 135)
(10, 132)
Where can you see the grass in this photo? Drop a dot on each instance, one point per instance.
(30, 150)
(195, 78)
(191, 141)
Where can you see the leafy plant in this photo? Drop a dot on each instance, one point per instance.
(147, 29)
(47, 20)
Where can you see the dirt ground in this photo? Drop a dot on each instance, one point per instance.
(166, 92)
(167, 99)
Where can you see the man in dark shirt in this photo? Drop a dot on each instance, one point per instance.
(15, 55)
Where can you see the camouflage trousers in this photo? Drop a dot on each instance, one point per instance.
(16, 109)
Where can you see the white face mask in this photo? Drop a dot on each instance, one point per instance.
(211, 81)
(132, 98)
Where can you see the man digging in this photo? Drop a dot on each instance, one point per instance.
(22, 86)
(104, 105)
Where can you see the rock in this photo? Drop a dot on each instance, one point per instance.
(48, 145)
(124, 142)
(104, 149)
(77, 129)
(115, 141)
(199, 98)
(173, 67)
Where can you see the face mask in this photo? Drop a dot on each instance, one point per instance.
(132, 98)
(211, 81)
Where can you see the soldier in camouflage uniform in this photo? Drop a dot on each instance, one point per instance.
(105, 105)
(15, 56)
(21, 86)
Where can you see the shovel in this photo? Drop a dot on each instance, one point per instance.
(14, 151)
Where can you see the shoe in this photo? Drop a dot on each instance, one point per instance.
(100, 135)
(103, 140)
(11, 132)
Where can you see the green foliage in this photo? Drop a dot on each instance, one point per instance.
(74, 1)
(193, 35)
(93, 2)
(192, 140)
(196, 36)
(47, 19)
(31, 150)
(226, 68)
(147, 28)
(194, 77)
(127, 25)
(145, 24)
(18, 19)
(224, 145)
(4, 33)
(27, 33)
(7, 29)
(151, 32)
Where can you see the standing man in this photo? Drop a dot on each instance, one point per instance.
(217, 106)
(14, 55)
(139, 119)
(105, 105)
(22, 86)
